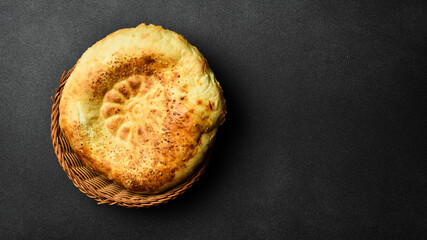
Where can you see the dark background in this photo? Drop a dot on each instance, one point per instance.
(325, 136)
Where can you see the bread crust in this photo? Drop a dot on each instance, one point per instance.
(142, 108)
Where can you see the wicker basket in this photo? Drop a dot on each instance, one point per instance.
(98, 187)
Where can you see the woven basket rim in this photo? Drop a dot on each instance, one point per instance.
(97, 187)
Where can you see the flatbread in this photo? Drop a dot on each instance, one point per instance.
(142, 108)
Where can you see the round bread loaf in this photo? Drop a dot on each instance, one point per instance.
(142, 108)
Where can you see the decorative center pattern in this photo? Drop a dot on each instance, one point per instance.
(133, 106)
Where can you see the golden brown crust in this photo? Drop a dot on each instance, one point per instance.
(142, 108)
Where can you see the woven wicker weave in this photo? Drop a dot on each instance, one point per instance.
(98, 187)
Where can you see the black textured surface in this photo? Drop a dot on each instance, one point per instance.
(325, 136)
